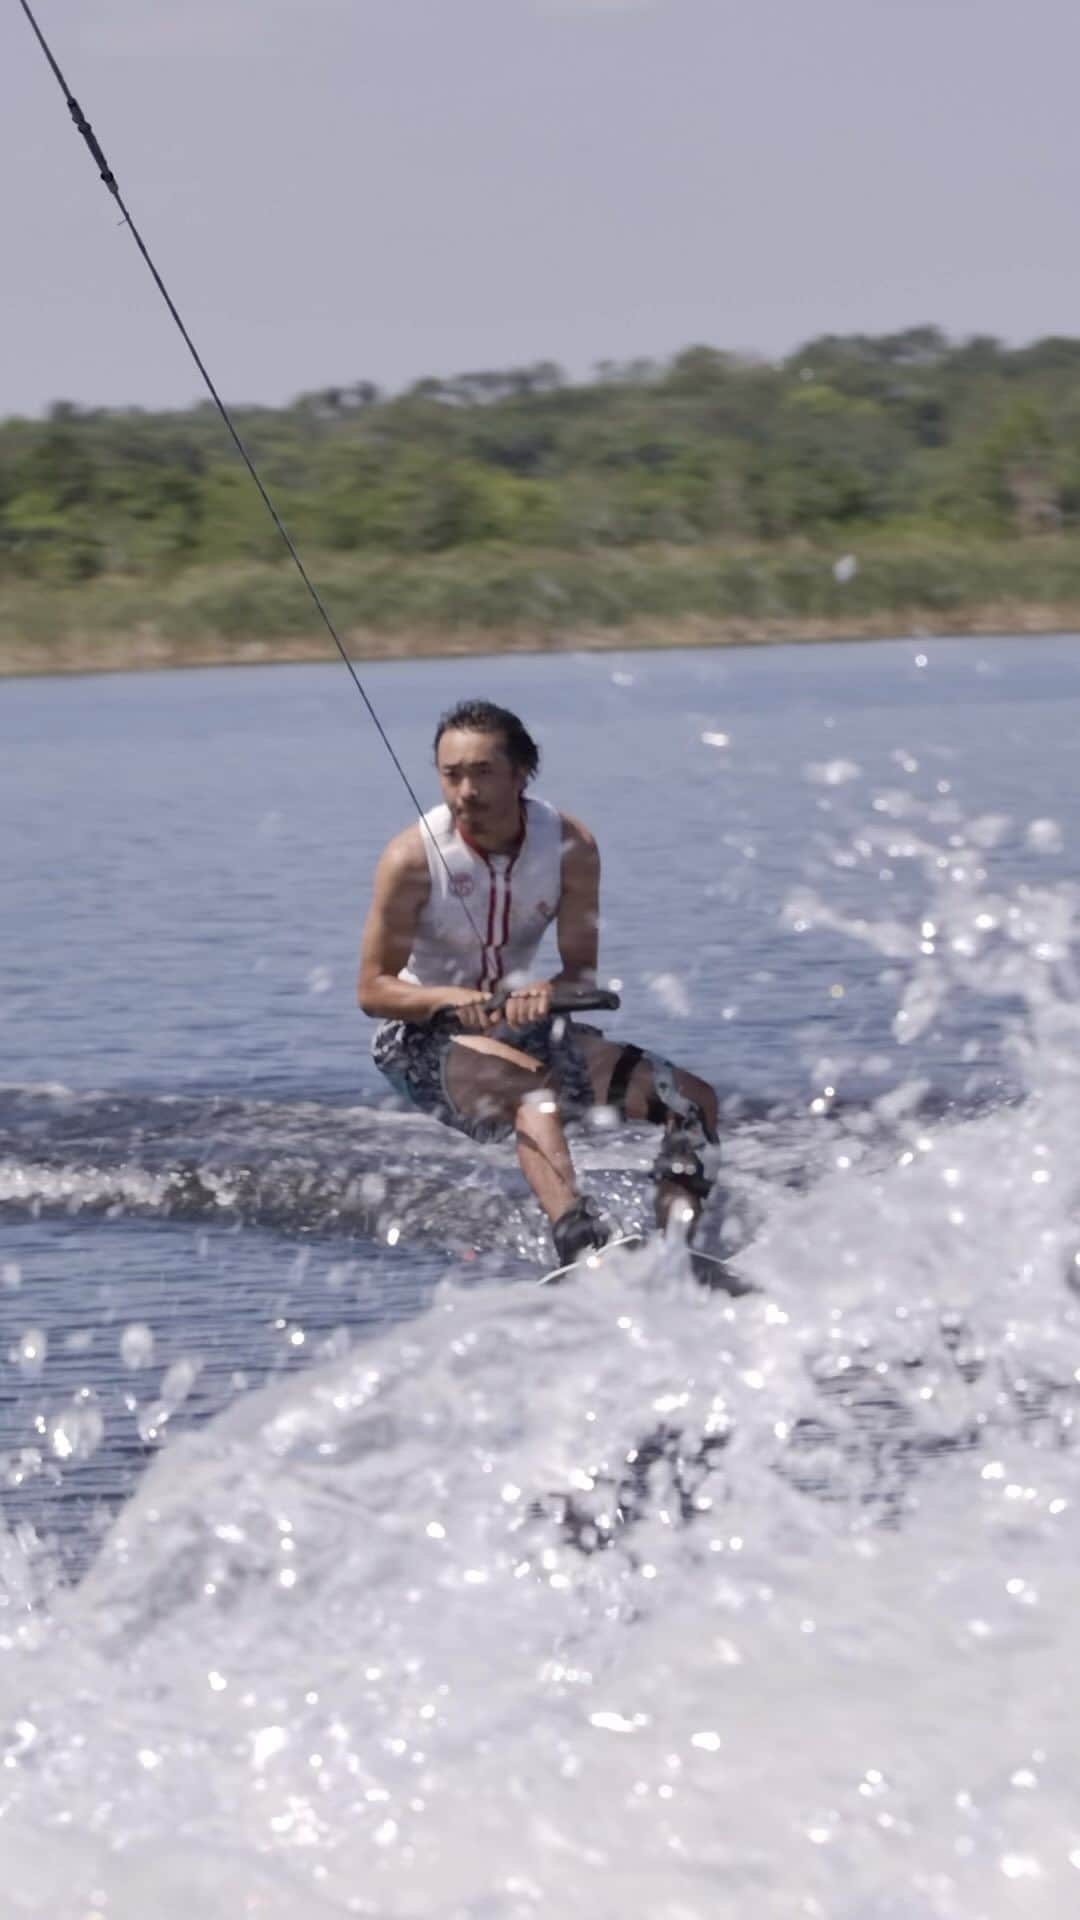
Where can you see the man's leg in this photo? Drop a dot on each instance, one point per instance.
(489, 1080)
(643, 1088)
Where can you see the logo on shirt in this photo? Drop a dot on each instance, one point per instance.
(543, 911)
(461, 885)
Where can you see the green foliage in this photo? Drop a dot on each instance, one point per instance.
(545, 483)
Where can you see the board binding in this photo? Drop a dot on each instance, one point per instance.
(708, 1270)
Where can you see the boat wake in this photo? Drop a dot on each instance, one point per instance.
(374, 1172)
(292, 1167)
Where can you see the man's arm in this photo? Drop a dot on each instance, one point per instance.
(578, 926)
(401, 889)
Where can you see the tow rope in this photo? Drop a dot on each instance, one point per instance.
(109, 178)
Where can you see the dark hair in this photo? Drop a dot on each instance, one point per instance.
(483, 716)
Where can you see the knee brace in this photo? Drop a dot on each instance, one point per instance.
(667, 1107)
(686, 1130)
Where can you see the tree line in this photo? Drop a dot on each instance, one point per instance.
(906, 432)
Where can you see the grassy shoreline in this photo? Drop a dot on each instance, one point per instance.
(506, 600)
(132, 653)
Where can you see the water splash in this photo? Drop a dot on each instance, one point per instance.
(531, 1593)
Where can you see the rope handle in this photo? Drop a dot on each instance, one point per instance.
(565, 998)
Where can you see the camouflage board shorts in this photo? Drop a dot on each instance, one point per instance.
(413, 1056)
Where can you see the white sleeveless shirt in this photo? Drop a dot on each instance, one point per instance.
(511, 900)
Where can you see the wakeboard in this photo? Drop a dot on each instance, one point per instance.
(708, 1270)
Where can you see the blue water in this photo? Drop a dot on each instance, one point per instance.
(187, 855)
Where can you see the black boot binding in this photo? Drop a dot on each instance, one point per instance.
(577, 1230)
(679, 1164)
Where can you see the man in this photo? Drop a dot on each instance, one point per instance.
(461, 902)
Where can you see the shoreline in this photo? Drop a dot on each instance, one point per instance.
(147, 650)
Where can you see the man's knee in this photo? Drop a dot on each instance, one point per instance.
(521, 1093)
(682, 1098)
(515, 1094)
(539, 1098)
(645, 1086)
(491, 1083)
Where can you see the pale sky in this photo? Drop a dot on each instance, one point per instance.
(381, 189)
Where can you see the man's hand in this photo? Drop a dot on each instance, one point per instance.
(527, 1004)
(472, 1009)
(475, 1014)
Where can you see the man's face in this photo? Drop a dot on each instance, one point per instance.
(480, 786)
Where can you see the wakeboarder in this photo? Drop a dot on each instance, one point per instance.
(459, 906)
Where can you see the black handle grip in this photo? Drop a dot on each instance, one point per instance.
(564, 999)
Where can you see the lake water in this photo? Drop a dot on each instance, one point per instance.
(343, 1570)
